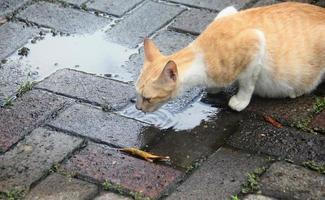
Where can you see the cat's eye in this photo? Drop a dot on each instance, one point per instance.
(146, 99)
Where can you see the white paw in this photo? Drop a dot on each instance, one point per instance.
(236, 104)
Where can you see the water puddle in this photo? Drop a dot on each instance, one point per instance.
(89, 53)
(188, 118)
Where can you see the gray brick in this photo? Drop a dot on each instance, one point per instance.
(100, 125)
(193, 21)
(256, 135)
(288, 181)
(214, 4)
(89, 88)
(113, 7)
(33, 157)
(13, 36)
(56, 186)
(219, 177)
(63, 19)
(8, 6)
(131, 30)
(265, 3)
(28, 112)
(12, 75)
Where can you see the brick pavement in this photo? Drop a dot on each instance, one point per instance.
(61, 139)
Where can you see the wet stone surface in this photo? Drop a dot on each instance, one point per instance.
(57, 186)
(287, 181)
(27, 113)
(8, 6)
(131, 173)
(52, 15)
(33, 157)
(214, 4)
(284, 110)
(113, 7)
(134, 28)
(219, 177)
(89, 88)
(101, 126)
(258, 136)
(185, 147)
(13, 36)
(193, 21)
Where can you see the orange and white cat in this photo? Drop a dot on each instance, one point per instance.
(272, 51)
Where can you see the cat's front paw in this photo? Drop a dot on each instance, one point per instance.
(236, 104)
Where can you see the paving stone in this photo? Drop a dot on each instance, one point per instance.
(57, 186)
(186, 147)
(111, 196)
(8, 6)
(318, 122)
(287, 181)
(76, 2)
(101, 126)
(193, 21)
(52, 15)
(168, 42)
(131, 173)
(257, 197)
(13, 36)
(258, 136)
(113, 7)
(12, 76)
(219, 177)
(214, 4)
(134, 28)
(89, 88)
(28, 112)
(284, 110)
(265, 3)
(33, 157)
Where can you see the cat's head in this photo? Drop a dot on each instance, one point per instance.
(158, 79)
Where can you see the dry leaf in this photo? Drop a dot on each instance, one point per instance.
(272, 121)
(145, 155)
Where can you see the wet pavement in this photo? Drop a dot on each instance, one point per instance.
(61, 140)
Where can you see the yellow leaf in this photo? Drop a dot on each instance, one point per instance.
(145, 155)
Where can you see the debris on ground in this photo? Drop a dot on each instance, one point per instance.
(272, 121)
(145, 155)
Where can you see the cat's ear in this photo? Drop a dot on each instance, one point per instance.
(150, 50)
(169, 73)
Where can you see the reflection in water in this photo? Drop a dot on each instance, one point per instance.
(189, 118)
(89, 53)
